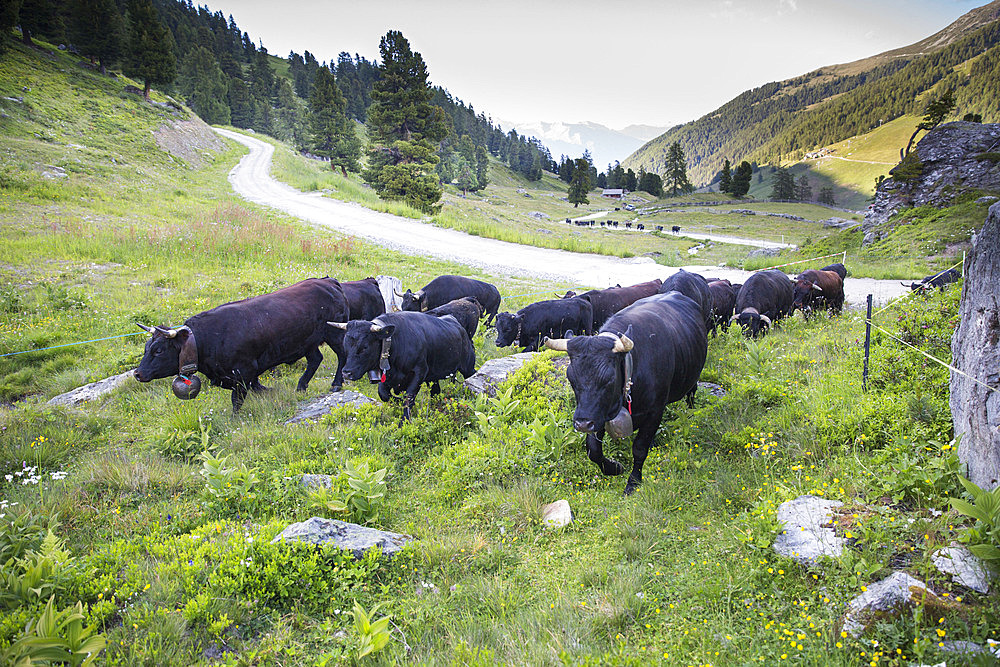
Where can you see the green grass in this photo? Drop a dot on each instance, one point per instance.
(679, 573)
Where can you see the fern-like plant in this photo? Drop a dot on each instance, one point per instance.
(983, 538)
(56, 637)
(372, 637)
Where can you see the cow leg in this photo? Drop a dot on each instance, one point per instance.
(335, 340)
(313, 359)
(384, 392)
(596, 453)
(468, 367)
(435, 388)
(640, 448)
(256, 387)
(416, 379)
(690, 396)
(239, 393)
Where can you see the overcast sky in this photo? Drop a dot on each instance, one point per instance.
(656, 62)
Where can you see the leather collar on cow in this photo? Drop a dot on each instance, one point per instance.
(188, 357)
(383, 361)
(627, 386)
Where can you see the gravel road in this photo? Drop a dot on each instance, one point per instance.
(252, 180)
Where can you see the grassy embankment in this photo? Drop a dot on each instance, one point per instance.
(171, 573)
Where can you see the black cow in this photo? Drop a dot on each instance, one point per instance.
(467, 310)
(640, 226)
(664, 341)
(408, 349)
(675, 229)
(233, 344)
(723, 302)
(363, 298)
(763, 299)
(607, 302)
(936, 280)
(695, 288)
(814, 289)
(837, 268)
(443, 289)
(544, 319)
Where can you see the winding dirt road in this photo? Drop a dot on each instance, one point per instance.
(252, 180)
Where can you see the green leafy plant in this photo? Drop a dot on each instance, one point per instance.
(501, 407)
(39, 574)
(757, 356)
(983, 538)
(56, 637)
(546, 434)
(923, 475)
(225, 484)
(186, 445)
(372, 637)
(359, 499)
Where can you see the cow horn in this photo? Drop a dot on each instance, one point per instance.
(172, 333)
(145, 328)
(733, 318)
(376, 328)
(558, 344)
(905, 285)
(817, 288)
(418, 295)
(765, 319)
(624, 344)
(339, 325)
(396, 292)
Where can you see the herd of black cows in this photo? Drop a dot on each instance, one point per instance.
(641, 347)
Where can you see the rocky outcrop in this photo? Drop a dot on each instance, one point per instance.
(950, 159)
(92, 391)
(325, 404)
(807, 532)
(348, 536)
(495, 371)
(888, 597)
(975, 403)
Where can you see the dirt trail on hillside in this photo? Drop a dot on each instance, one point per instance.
(251, 179)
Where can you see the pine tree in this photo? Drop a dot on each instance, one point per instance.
(580, 185)
(97, 29)
(630, 182)
(783, 187)
(150, 54)
(937, 110)
(826, 196)
(651, 182)
(726, 177)
(331, 132)
(803, 191)
(741, 179)
(9, 10)
(404, 128)
(40, 17)
(482, 167)
(205, 87)
(676, 171)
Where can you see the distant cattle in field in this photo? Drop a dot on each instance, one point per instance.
(628, 225)
(675, 229)
(640, 226)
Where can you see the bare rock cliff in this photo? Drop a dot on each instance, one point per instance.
(975, 409)
(951, 159)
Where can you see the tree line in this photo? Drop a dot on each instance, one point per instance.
(204, 58)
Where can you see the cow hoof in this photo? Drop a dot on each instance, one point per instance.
(337, 388)
(631, 487)
(612, 467)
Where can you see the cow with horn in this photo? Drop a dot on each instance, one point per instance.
(443, 289)
(644, 357)
(763, 299)
(233, 344)
(407, 349)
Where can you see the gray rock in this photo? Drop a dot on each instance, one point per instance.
(538, 215)
(989, 199)
(950, 165)
(349, 536)
(840, 223)
(712, 388)
(557, 514)
(890, 595)
(495, 371)
(310, 481)
(975, 409)
(764, 252)
(325, 404)
(804, 536)
(963, 647)
(964, 568)
(89, 392)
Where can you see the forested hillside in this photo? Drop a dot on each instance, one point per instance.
(785, 119)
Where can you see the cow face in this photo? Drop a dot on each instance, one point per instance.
(413, 301)
(508, 328)
(363, 345)
(162, 356)
(597, 374)
(802, 295)
(753, 324)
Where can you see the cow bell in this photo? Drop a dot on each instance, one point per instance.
(186, 386)
(621, 426)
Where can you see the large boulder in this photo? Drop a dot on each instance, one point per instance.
(975, 398)
(807, 532)
(495, 371)
(325, 404)
(349, 536)
(888, 597)
(949, 160)
(92, 391)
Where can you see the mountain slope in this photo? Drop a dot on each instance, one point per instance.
(572, 139)
(785, 119)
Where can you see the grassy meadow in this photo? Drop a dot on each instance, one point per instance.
(156, 515)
